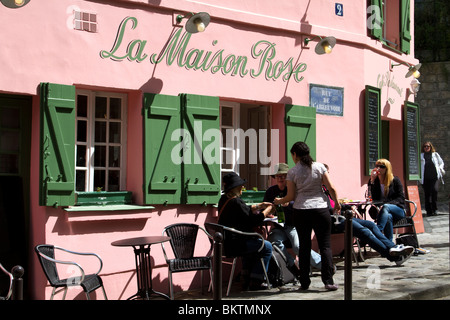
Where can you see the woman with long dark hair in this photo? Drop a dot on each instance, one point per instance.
(304, 185)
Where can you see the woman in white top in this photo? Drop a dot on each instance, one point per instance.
(304, 185)
(432, 172)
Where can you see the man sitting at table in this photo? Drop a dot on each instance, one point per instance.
(369, 233)
(279, 234)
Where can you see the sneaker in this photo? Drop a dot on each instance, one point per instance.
(401, 250)
(422, 251)
(402, 259)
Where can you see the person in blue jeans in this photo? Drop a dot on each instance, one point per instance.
(235, 213)
(280, 234)
(384, 187)
(368, 232)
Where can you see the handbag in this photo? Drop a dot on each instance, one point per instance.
(407, 240)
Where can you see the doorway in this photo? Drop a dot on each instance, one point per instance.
(15, 140)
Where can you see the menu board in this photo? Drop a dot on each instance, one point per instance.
(411, 138)
(372, 127)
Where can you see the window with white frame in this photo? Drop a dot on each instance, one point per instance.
(229, 121)
(100, 141)
(240, 125)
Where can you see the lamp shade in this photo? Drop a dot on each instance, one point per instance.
(198, 22)
(14, 3)
(414, 70)
(325, 45)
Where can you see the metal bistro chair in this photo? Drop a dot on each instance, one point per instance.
(408, 221)
(183, 237)
(212, 228)
(9, 292)
(89, 282)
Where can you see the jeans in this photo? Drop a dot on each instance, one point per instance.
(252, 263)
(389, 214)
(368, 232)
(306, 220)
(279, 235)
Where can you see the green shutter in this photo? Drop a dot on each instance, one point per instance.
(57, 145)
(201, 169)
(405, 26)
(376, 19)
(300, 126)
(162, 177)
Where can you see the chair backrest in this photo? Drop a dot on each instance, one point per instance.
(408, 207)
(182, 239)
(48, 266)
(213, 228)
(10, 276)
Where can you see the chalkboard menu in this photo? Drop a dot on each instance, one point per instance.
(373, 127)
(411, 140)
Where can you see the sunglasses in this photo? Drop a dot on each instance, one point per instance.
(382, 166)
(427, 146)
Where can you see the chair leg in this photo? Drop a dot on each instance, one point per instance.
(354, 254)
(87, 296)
(104, 293)
(53, 293)
(231, 276)
(211, 286)
(171, 285)
(65, 292)
(201, 280)
(265, 274)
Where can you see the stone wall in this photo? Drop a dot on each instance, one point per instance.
(434, 101)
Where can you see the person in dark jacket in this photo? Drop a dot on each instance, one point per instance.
(235, 213)
(387, 188)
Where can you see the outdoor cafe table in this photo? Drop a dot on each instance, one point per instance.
(141, 246)
(361, 205)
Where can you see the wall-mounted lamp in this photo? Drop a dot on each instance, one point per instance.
(196, 23)
(415, 86)
(325, 45)
(13, 4)
(412, 70)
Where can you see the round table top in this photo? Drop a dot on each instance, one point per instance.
(140, 241)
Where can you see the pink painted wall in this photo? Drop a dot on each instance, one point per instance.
(45, 49)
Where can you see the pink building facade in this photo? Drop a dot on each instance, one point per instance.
(97, 98)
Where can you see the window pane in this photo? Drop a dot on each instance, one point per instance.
(114, 132)
(227, 159)
(9, 141)
(81, 156)
(115, 108)
(114, 180)
(100, 131)
(227, 116)
(82, 130)
(10, 118)
(114, 156)
(99, 180)
(82, 106)
(100, 156)
(81, 180)
(100, 107)
(9, 163)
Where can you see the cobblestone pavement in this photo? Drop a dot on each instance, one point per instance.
(423, 276)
